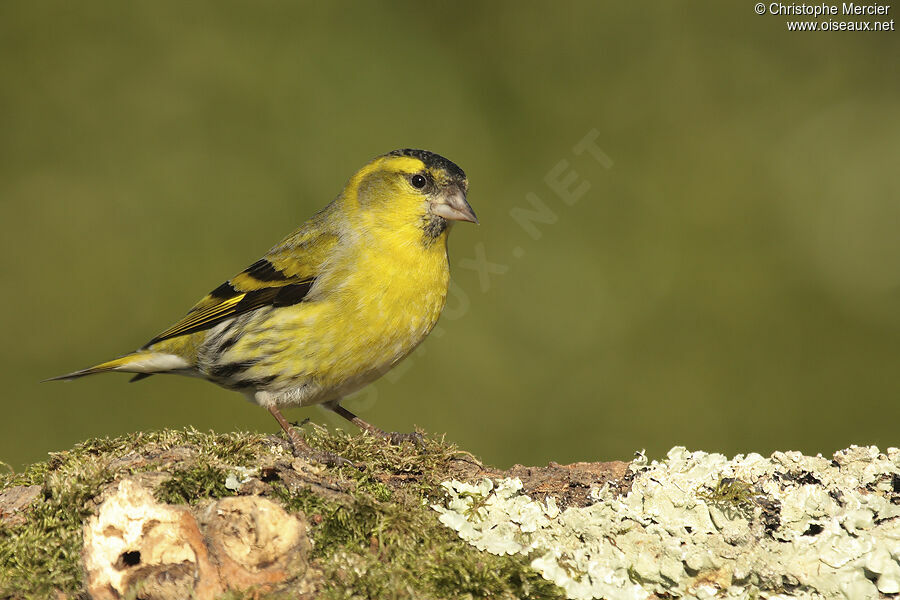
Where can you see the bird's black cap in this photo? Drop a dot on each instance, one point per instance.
(432, 160)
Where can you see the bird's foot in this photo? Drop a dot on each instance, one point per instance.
(330, 459)
(303, 450)
(396, 438)
(393, 437)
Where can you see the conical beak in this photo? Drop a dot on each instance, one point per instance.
(452, 206)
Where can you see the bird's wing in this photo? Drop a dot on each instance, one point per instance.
(281, 278)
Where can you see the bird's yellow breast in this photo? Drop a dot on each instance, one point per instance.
(376, 303)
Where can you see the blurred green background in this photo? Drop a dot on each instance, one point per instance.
(731, 283)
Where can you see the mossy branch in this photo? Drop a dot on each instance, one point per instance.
(176, 514)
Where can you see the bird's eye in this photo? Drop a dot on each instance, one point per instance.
(418, 181)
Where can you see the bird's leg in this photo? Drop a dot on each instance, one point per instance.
(337, 408)
(301, 448)
(394, 437)
(299, 444)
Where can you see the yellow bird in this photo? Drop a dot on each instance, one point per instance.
(334, 305)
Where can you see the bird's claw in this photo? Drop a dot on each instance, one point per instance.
(303, 450)
(397, 438)
(330, 459)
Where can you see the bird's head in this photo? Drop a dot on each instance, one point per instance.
(410, 191)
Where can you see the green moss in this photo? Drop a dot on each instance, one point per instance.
(422, 468)
(234, 448)
(43, 553)
(373, 548)
(374, 537)
(732, 496)
(188, 486)
(388, 543)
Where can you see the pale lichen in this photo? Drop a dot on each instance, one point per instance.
(698, 525)
(238, 477)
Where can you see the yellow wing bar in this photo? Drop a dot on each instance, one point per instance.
(225, 302)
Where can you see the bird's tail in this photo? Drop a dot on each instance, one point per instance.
(142, 362)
